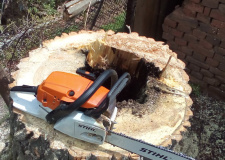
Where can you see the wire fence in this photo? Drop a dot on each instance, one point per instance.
(17, 40)
(107, 14)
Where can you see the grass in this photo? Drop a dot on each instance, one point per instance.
(195, 89)
(19, 49)
(117, 25)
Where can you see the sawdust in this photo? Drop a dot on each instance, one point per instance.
(150, 126)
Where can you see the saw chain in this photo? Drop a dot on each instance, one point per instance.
(142, 148)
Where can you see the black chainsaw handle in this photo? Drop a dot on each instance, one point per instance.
(62, 112)
(25, 88)
(111, 96)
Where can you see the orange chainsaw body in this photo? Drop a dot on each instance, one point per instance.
(66, 87)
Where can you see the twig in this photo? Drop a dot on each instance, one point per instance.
(86, 17)
(3, 2)
(164, 69)
(13, 54)
(96, 15)
(129, 28)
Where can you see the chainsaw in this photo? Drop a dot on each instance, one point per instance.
(80, 106)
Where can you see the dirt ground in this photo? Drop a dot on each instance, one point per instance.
(4, 124)
(204, 140)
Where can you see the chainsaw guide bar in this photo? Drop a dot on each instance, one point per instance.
(143, 148)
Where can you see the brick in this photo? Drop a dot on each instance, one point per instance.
(217, 14)
(219, 58)
(166, 28)
(179, 16)
(184, 28)
(199, 49)
(210, 3)
(190, 38)
(205, 44)
(220, 51)
(189, 12)
(222, 44)
(186, 50)
(217, 23)
(197, 81)
(221, 79)
(195, 1)
(221, 67)
(222, 1)
(167, 36)
(172, 45)
(212, 62)
(199, 34)
(196, 62)
(197, 75)
(213, 40)
(180, 41)
(217, 72)
(207, 11)
(187, 70)
(216, 92)
(201, 17)
(211, 81)
(170, 23)
(221, 33)
(222, 87)
(193, 67)
(207, 73)
(193, 45)
(180, 54)
(199, 57)
(222, 8)
(208, 28)
(193, 6)
(177, 33)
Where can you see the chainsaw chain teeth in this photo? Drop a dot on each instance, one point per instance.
(159, 147)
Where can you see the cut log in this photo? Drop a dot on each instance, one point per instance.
(75, 7)
(159, 114)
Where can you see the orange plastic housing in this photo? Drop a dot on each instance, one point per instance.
(59, 87)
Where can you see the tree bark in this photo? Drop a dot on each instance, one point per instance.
(4, 89)
(149, 16)
(130, 14)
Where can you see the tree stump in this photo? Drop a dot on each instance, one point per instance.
(155, 107)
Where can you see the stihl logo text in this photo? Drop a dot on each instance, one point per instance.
(154, 153)
(86, 127)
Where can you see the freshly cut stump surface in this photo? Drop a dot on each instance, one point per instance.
(161, 117)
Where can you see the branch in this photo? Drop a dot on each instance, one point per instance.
(86, 17)
(4, 89)
(13, 54)
(164, 69)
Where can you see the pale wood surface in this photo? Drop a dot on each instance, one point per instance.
(161, 122)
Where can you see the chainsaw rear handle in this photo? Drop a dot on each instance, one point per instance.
(86, 74)
(25, 88)
(62, 112)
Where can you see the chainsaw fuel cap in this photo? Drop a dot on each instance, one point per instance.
(71, 93)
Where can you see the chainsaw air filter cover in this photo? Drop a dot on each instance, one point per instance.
(67, 87)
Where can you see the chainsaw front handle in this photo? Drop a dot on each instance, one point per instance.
(111, 96)
(118, 87)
